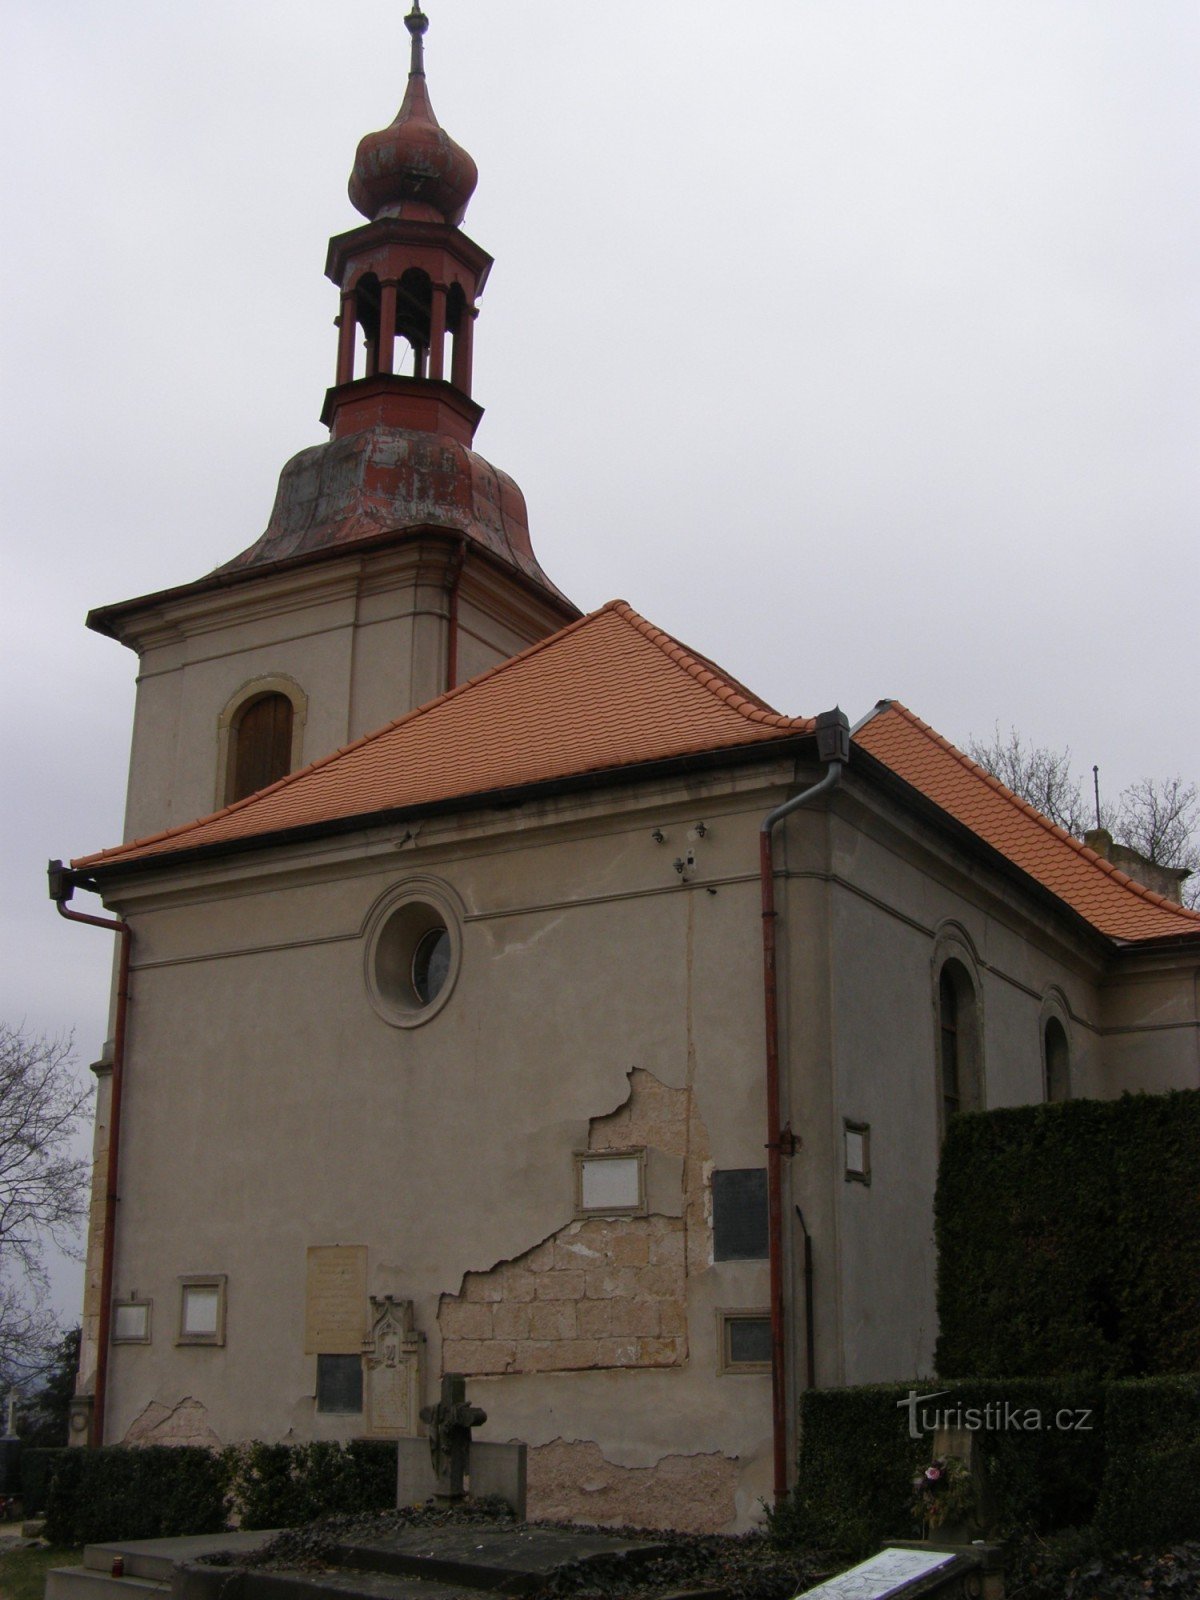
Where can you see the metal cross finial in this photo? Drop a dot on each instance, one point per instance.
(417, 24)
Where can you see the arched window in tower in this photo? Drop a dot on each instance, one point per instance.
(367, 296)
(1057, 1057)
(414, 312)
(959, 1069)
(261, 745)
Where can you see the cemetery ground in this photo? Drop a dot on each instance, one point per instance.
(762, 1565)
(23, 1567)
(755, 1566)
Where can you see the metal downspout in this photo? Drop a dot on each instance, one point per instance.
(62, 886)
(833, 748)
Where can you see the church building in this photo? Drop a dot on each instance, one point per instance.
(510, 992)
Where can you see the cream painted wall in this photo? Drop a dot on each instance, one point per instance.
(270, 1108)
(364, 639)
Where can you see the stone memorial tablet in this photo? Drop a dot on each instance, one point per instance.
(889, 1573)
(740, 1214)
(335, 1308)
(392, 1351)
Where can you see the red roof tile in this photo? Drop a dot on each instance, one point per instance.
(606, 692)
(1106, 897)
(612, 691)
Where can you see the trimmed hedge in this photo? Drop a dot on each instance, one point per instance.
(119, 1493)
(1132, 1474)
(857, 1460)
(285, 1486)
(37, 1464)
(1151, 1493)
(169, 1491)
(1069, 1239)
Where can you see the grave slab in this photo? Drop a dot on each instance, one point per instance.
(512, 1559)
(896, 1574)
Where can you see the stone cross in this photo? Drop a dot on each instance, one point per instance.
(450, 1423)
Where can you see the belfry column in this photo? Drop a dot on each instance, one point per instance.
(464, 350)
(437, 332)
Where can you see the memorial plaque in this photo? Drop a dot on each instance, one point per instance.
(340, 1385)
(887, 1574)
(740, 1214)
(393, 1362)
(335, 1311)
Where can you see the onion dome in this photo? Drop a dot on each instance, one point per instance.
(414, 168)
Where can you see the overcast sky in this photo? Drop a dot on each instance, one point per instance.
(855, 343)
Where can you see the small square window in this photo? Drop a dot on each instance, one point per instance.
(202, 1310)
(858, 1152)
(131, 1322)
(610, 1183)
(340, 1384)
(740, 1214)
(745, 1341)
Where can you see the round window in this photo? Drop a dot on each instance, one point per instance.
(412, 956)
(431, 965)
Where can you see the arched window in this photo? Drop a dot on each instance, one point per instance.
(1057, 1055)
(959, 1068)
(414, 318)
(260, 745)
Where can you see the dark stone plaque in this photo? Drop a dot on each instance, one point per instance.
(340, 1384)
(740, 1214)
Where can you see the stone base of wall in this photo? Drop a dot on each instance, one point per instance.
(571, 1481)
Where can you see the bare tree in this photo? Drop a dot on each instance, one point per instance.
(1039, 775)
(1160, 820)
(43, 1190)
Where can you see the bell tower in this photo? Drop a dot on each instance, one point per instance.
(397, 562)
(411, 278)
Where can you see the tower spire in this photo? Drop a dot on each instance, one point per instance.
(417, 24)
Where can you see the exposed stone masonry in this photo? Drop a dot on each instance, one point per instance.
(602, 1291)
(571, 1480)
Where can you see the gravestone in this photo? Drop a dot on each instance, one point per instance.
(392, 1356)
(892, 1574)
(962, 1444)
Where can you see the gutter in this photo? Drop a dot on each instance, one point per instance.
(833, 748)
(62, 884)
(92, 872)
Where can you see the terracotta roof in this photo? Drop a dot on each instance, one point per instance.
(1106, 897)
(606, 692)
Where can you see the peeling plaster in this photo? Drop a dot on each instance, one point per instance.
(602, 1291)
(185, 1423)
(573, 1481)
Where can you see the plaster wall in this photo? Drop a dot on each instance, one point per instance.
(269, 1108)
(365, 640)
(898, 910)
(601, 996)
(1152, 1023)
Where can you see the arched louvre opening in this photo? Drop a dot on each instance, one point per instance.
(262, 745)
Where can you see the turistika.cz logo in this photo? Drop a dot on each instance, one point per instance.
(995, 1417)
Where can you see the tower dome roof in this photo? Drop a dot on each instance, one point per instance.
(413, 168)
